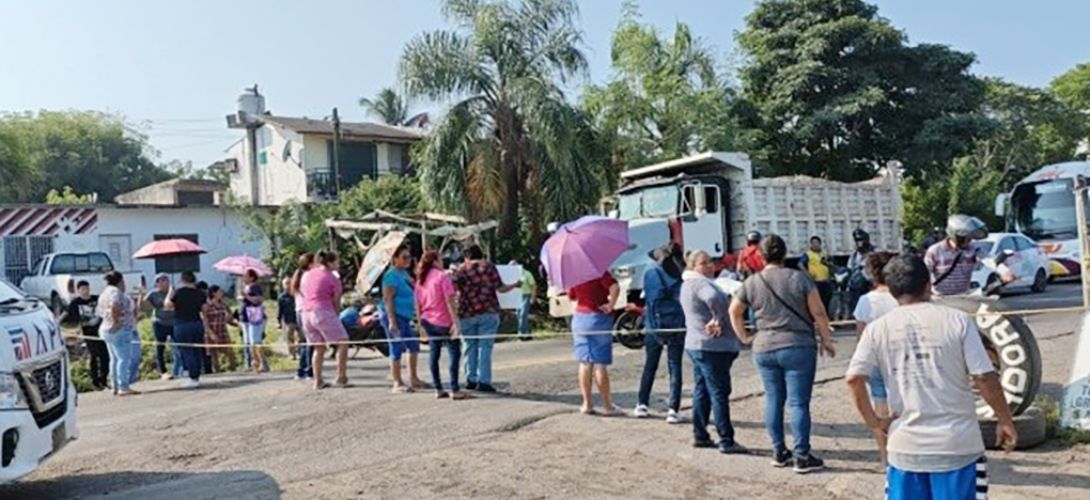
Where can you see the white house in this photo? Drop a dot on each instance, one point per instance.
(294, 156)
(29, 231)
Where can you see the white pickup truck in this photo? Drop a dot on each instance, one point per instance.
(37, 398)
(55, 276)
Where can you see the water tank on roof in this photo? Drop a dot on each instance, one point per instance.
(251, 103)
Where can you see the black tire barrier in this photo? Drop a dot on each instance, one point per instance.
(1013, 349)
(1031, 426)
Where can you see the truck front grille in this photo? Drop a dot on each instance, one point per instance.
(45, 388)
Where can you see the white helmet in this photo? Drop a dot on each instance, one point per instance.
(961, 226)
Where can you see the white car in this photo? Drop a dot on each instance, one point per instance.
(1012, 259)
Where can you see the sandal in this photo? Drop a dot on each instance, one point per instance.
(458, 396)
(613, 411)
(323, 385)
(588, 411)
(402, 389)
(342, 383)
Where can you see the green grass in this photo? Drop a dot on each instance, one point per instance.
(1063, 435)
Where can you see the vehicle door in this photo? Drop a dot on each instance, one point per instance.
(1032, 257)
(702, 219)
(1013, 261)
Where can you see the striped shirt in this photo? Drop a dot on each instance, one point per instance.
(941, 257)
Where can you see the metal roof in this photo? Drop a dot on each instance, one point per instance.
(730, 159)
(348, 129)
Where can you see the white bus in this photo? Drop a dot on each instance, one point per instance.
(1042, 207)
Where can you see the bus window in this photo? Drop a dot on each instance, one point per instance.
(1045, 210)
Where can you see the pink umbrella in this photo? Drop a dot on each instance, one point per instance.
(163, 248)
(583, 250)
(239, 264)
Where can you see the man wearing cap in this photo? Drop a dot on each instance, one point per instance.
(162, 325)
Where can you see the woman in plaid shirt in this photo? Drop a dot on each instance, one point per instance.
(216, 318)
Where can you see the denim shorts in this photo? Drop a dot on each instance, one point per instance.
(877, 387)
(405, 341)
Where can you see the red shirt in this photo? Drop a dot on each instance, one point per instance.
(591, 295)
(751, 259)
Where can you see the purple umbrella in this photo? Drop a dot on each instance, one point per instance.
(583, 250)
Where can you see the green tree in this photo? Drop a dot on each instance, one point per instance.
(68, 197)
(510, 121)
(292, 229)
(1073, 87)
(967, 189)
(666, 98)
(88, 151)
(387, 105)
(1032, 128)
(835, 91)
(18, 171)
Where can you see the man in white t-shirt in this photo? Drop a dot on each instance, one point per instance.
(926, 354)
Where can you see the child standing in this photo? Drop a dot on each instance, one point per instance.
(216, 318)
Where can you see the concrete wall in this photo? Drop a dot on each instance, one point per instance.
(221, 231)
(280, 179)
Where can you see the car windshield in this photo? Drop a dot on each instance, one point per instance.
(9, 292)
(650, 202)
(1045, 210)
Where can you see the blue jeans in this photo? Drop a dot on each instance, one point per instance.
(162, 335)
(524, 316)
(192, 357)
(305, 352)
(653, 344)
(438, 338)
(479, 351)
(711, 394)
(788, 377)
(137, 356)
(119, 345)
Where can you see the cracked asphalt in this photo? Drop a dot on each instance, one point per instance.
(269, 437)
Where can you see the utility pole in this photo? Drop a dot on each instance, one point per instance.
(1081, 186)
(337, 151)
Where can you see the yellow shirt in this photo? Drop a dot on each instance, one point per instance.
(815, 265)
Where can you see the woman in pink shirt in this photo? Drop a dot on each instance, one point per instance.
(437, 306)
(321, 291)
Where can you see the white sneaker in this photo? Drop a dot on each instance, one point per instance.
(673, 417)
(189, 383)
(641, 411)
(166, 376)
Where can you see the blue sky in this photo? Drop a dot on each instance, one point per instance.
(177, 67)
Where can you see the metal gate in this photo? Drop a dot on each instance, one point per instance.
(22, 252)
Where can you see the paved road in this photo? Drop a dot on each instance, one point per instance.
(270, 437)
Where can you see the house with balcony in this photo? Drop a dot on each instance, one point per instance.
(284, 159)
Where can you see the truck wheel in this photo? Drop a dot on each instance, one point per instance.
(1013, 349)
(1031, 427)
(628, 330)
(1040, 281)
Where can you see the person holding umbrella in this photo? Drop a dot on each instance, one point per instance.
(577, 257)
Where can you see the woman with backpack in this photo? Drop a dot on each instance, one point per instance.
(664, 323)
(252, 316)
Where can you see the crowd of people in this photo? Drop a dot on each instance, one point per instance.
(911, 377)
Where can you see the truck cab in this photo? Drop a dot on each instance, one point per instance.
(54, 277)
(37, 398)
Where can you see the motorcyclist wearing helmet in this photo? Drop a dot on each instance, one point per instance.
(952, 260)
(859, 283)
(750, 260)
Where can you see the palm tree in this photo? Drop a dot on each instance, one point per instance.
(510, 132)
(387, 105)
